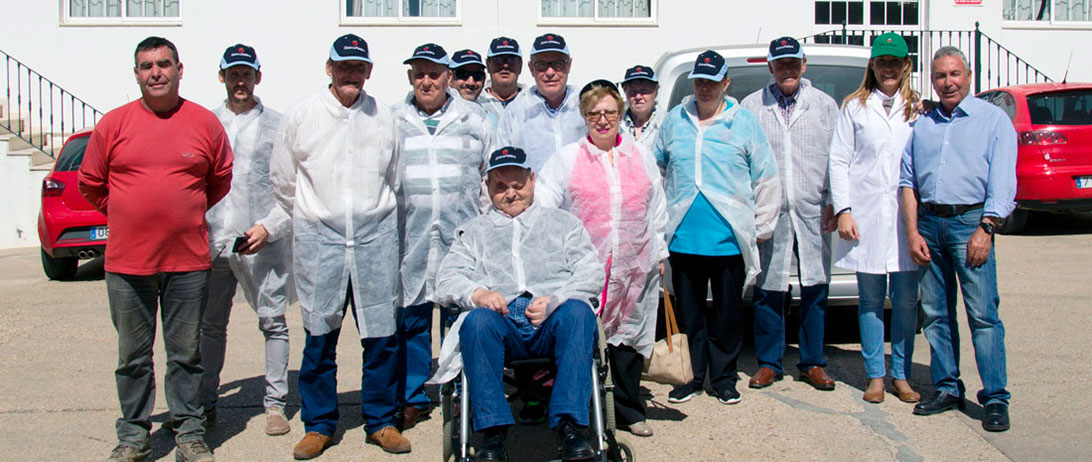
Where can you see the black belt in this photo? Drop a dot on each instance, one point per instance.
(948, 211)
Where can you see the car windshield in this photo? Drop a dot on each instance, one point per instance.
(1061, 108)
(72, 155)
(836, 81)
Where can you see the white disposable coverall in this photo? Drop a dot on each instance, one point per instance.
(623, 208)
(543, 251)
(802, 149)
(728, 160)
(335, 172)
(527, 124)
(441, 178)
(649, 133)
(865, 157)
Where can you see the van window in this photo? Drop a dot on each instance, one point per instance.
(836, 81)
(1061, 108)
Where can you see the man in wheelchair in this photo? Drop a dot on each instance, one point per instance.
(527, 279)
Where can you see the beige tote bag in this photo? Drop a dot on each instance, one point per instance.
(670, 361)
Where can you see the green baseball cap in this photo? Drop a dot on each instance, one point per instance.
(889, 44)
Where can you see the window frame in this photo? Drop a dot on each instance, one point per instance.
(1049, 24)
(596, 20)
(346, 20)
(124, 20)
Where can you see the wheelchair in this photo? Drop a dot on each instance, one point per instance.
(607, 445)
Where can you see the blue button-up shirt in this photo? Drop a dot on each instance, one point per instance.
(967, 157)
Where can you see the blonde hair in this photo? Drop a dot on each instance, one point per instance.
(869, 83)
(589, 98)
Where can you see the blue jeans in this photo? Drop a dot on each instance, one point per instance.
(318, 381)
(180, 298)
(947, 239)
(489, 339)
(873, 289)
(414, 354)
(770, 326)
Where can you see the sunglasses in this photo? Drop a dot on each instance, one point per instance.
(463, 74)
(559, 66)
(594, 116)
(501, 60)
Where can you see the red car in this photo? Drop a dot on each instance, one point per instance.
(1053, 122)
(69, 228)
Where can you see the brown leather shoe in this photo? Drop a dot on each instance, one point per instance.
(390, 439)
(764, 378)
(904, 392)
(818, 378)
(311, 446)
(874, 392)
(413, 414)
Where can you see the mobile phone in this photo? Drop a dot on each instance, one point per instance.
(240, 244)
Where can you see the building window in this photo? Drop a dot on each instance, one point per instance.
(121, 11)
(904, 13)
(597, 11)
(1047, 11)
(400, 12)
(834, 13)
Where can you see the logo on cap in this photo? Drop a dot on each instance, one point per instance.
(639, 69)
(504, 151)
(426, 48)
(888, 40)
(549, 37)
(706, 60)
(355, 43)
(242, 50)
(504, 42)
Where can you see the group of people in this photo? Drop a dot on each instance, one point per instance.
(537, 212)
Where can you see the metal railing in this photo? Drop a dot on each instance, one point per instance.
(993, 64)
(38, 110)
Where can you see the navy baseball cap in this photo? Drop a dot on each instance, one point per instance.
(640, 73)
(240, 54)
(549, 42)
(604, 83)
(504, 46)
(465, 57)
(350, 47)
(785, 47)
(508, 155)
(710, 65)
(431, 52)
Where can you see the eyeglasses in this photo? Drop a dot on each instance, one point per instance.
(611, 115)
(559, 66)
(463, 74)
(501, 60)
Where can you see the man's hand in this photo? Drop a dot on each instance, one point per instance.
(828, 219)
(536, 311)
(489, 299)
(661, 268)
(919, 249)
(256, 238)
(847, 227)
(978, 248)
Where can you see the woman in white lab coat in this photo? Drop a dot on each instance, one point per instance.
(874, 127)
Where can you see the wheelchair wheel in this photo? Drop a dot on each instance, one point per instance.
(626, 451)
(447, 408)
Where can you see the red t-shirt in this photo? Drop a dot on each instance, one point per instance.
(154, 176)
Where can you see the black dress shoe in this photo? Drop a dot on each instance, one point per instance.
(571, 443)
(939, 403)
(493, 450)
(997, 417)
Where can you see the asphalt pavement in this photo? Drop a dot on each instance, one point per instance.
(58, 400)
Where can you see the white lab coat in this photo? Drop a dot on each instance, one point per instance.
(650, 131)
(864, 175)
(264, 277)
(441, 178)
(802, 150)
(623, 209)
(528, 125)
(493, 106)
(334, 171)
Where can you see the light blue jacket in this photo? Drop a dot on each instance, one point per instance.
(728, 160)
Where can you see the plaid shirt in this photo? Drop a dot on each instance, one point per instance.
(786, 103)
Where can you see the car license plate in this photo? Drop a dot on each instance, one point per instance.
(99, 233)
(1084, 182)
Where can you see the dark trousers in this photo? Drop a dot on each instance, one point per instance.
(770, 326)
(713, 331)
(318, 381)
(414, 354)
(626, 365)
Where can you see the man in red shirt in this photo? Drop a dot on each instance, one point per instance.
(154, 167)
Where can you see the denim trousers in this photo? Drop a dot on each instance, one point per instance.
(947, 239)
(222, 284)
(489, 339)
(414, 354)
(134, 300)
(770, 326)
(874, 289)
(714, 332)
(318, 380)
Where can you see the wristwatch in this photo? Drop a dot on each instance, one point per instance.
(987, 227)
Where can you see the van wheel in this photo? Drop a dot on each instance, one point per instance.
(1015, 222)
(59, 269)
